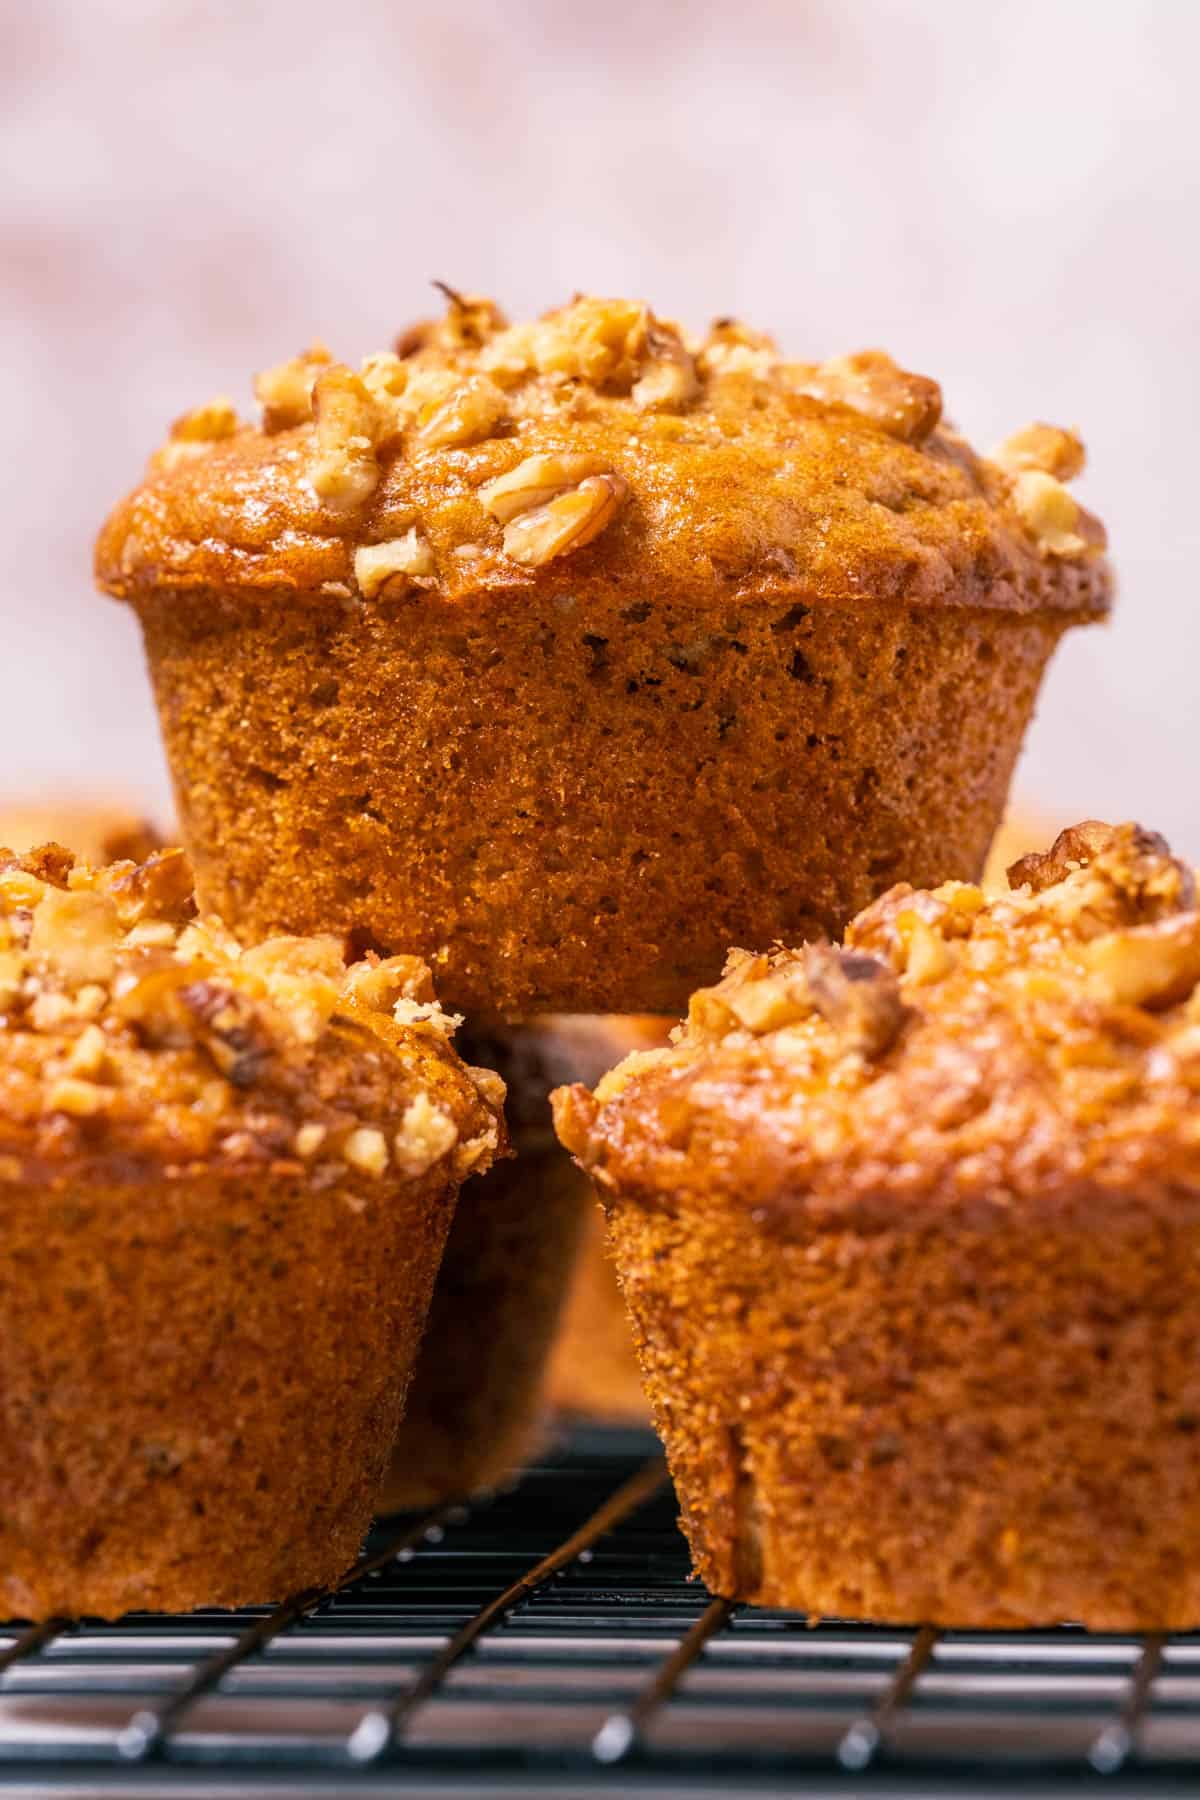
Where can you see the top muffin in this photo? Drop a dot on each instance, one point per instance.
(137, 1037)
(954, 1050)
(601, 441)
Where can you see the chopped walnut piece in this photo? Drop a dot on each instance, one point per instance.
(159, 889)
(593, 340)
(536, 480)
(1051, 515)
(308, 1140)
(668, 377)
(1046, 447)
(1148, 965)
(857, 994)
(1072, 849)
(80, 1099)
(75, 936)
(568, 522)
(426, 1134)
(906, 406)
(345, 469)
(194, 433)
(731, 348)
(366, 1149)
(285, 392)
(380, 983)
(89, 1052)
(375, 565)
(929, 955)
(471, 413)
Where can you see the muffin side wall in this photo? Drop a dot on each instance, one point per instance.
(581, 805)
(200, 1380)
(936, 1406)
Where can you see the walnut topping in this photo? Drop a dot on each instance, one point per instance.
(117, 1001)
(375, 565)
(426, 1134)
(668, 377)
(471, 413)
(1072, 849)
(194, 433)
(1049, 513)
(285, 392)
(345, 469)
(731, 348)
(1148, 965)
(366, 1149)
(592, 340)
(1046, 447)
(568, 522)
(904, 405)
(857, 994)
(536, 480)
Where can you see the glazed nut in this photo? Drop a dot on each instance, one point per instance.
(75, 936)
(536, 480)
(929, 955)
(366, 1150)
(470, 414)
(79, 1099)
(858, 995)
(1072, 849)
(345, 468)
(904, 405)
(769, 1004)
(376, 564)
(1049, 448)
(1148, 965)
(426, 1134)
(566, 523)
(194, 433)
(668, 377)
(285, 392)
(1049, 513)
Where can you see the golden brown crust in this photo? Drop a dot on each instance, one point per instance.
(716, 471)
(908, 1228)
(1065, 1020)
(136, 1039)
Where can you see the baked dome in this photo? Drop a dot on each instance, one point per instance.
(602, 443)
(954, 1046)
(134, 1035)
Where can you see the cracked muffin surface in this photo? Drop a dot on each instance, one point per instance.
(909, 1229)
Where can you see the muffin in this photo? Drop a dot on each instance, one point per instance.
(226, 1178)
(567, 653)
(910, 1232)
(98, 832)
(477, 1404)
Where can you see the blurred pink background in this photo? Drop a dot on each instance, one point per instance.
(1005, 197)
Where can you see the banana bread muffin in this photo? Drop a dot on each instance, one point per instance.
(567, 653)
(910, 1231)
(226, 1179)
(477, 1404)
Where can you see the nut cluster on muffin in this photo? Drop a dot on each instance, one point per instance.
(909, 1227)
(123, 1008)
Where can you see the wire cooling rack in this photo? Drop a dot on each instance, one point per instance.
(548, 1641)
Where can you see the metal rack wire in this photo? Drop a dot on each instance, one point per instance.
(548, 1641)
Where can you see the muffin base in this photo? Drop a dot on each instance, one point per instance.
(579, 803)
(979, 1421)
(200, 1381)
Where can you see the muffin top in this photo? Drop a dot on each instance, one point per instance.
(601, 444)
(137, 1039)
(953, 1050)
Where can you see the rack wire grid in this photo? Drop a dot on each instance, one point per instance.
(547, 1640)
